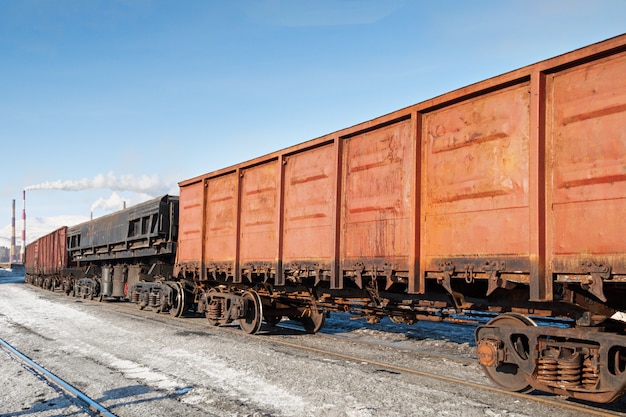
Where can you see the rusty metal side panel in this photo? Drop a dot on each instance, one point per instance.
(190, 223)
(50, 252)
(259, 214)
(220, 243)
(45, 249)
(47, 255)
(377, 207)
(57, 257)
(309, 190)
(62, 252)
(476, 178)
(587, 163)
(31, 255)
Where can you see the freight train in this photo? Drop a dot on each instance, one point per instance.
(506, 196)
(133, 248)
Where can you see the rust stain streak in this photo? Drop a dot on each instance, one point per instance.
(591, 200)
(472, 189)
(599, 172)
(475, 139)
(303, 179)
(593, 180)
(470, 195)
(372, 208)
(594, 114)
(308, 216)
(215, 229)
(260, 190)
(259, 223)
(225, 198)
(365, 167)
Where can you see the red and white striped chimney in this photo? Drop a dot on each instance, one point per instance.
(12, 250)
(23, 249)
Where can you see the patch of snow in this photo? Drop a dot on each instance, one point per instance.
(240, 383)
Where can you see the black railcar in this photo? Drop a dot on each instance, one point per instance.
(111, 255)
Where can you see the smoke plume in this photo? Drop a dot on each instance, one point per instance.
(115, 202)
(146, 184)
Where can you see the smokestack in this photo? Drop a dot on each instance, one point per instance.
(124, 205)
(23, 249)
(12, 251)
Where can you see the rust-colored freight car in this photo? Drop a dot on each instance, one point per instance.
(507, 196)
(46, 258)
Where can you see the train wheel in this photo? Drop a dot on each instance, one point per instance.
(314, 322)
(508, 375)
(178, 308)
(253, 315)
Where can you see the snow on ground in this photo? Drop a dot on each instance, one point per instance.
(141, 364)
(459, 338)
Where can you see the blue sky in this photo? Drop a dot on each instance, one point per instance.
(134, 96)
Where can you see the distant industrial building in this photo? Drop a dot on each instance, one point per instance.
(5, 254)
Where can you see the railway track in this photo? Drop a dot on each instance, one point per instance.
(536, 397)
(403, 346)
(570, 406)
(297, 339)
(289, 336)
(73, 394)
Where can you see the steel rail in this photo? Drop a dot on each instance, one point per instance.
(93, 405)
(373, 342)
(164, 319)
(572, 407)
